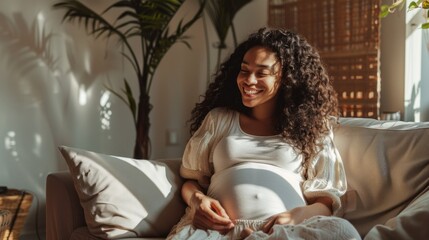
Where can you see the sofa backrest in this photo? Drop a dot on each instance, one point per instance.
(387, 166)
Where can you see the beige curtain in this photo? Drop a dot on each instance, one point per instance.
(347, 35)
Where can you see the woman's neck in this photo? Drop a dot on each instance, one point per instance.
(263, 113)
(260, 121)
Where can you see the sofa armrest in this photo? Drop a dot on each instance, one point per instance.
(411, 223)
(64, 213)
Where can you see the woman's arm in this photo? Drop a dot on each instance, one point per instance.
(189, 189)
(326, 181)
(207, 212)
(323, 206)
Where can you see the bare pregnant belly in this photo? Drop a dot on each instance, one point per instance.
(256, 191)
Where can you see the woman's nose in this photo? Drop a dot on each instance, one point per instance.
(251, 79)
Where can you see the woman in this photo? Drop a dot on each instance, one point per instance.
(261, 163)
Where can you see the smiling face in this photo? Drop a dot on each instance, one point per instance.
(259, 78)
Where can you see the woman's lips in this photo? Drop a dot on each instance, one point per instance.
(251, 92)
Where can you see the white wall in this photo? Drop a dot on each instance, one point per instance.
(404, 65)
(392, 61)
(51, 92)
(50, 89)
(416, 68)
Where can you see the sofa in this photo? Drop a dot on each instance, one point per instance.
(111, 197)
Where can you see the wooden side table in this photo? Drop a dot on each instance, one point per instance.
(17, 203)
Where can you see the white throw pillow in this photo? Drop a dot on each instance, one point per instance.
(124, 197)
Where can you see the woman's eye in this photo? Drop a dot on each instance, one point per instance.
(263, 74)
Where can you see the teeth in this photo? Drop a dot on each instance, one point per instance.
(251, 91)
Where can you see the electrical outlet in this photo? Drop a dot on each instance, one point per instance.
(172, 138)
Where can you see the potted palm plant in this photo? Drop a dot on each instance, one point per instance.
(148, 21)
(399, 4)
(221, 14)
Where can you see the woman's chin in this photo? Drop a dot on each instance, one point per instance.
(250, 103)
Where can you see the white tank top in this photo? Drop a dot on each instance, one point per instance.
(255, 176)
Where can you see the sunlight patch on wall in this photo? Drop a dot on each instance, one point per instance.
(87, 61)
(413, 70)
(10, 144)
(37, 144)
(82, 92)
(41, 21)
(83, 98)
(105, 110)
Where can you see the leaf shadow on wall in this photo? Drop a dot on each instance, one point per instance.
(26, 51)
(31, 86)
(48, 70)
(37, 95)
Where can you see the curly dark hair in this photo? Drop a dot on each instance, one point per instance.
(309, 99)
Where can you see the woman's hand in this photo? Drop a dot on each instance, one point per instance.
(297, 215)
(209, 214)
(318, 207)
(292, 217)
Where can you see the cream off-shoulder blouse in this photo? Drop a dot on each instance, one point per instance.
(236, 167)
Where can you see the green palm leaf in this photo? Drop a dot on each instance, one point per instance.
(148, 21)
(93, 22)
(221, 13)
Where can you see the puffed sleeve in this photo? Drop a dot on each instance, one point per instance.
(326, 175)
(197, 162)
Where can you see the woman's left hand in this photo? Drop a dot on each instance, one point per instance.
(296, 216)
(319, 207)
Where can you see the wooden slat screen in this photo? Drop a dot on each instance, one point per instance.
(347, 36)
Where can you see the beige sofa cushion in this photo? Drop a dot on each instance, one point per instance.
(124, 197)
(387, 166)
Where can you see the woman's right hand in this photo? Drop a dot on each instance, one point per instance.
(209, 214)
